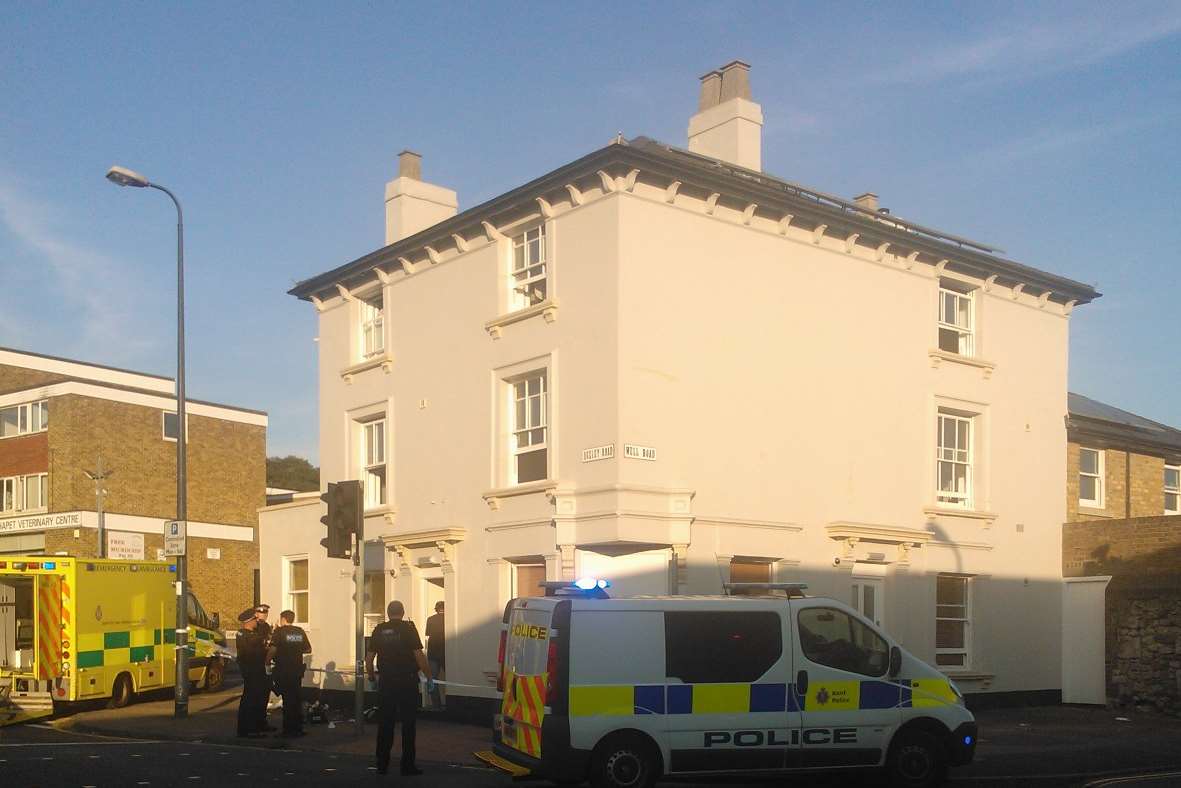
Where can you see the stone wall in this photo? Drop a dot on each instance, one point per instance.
(1143, 608)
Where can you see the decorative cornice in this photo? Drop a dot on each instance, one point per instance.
(386, 362)
(939, 356)
(494, 497)
(548, 309)
(872, 532)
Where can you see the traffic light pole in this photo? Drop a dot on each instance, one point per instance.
(359, 667)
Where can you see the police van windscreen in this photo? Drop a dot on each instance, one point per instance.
(527, 644)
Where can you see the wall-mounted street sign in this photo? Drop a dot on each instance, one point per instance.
(634, 452)
(174, 538)
(598, 453)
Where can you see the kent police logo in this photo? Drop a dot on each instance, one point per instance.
(822, 696)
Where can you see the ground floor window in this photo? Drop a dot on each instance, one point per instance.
(527, 580)
(295, 588)
(953, 621)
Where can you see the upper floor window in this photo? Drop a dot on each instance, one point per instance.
(372, 334)
(953, 459)
(24, 493)
(530, 459)
(1172, 489)
(529, 273)
(1090, 477)
(24, 419)
(295, 588)
(956, 333)
(373, 463)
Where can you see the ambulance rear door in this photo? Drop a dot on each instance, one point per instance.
(850, 705)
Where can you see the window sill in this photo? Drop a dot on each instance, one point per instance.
(493, 497)
(1094, 511)
(939, 356)
(548, 309)
(968, 514)
(968, 675)
(385, 361)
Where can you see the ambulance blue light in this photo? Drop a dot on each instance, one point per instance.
(49, 565)
(172, 567)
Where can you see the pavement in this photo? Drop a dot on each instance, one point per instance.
(1030, 746)
(213, 718)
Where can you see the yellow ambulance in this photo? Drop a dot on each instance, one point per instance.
(75, 629)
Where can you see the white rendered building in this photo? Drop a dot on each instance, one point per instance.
(667, 368)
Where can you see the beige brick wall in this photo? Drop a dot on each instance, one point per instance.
(224, 585)
(226, 468)
(1146, 482)
(18, 378)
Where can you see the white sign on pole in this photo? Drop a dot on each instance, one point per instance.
(125, 546)
(174, 537)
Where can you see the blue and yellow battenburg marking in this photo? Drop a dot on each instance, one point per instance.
(628, 700)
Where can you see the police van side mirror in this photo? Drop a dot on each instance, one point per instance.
(895, 661)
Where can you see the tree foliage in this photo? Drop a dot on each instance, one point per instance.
(292, 473)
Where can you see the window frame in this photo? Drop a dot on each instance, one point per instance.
(289, 594)
(686, 665)
(854, 622)
(1100, 476)
(368, 466)
(519, 296)
(516, 431)
(18, 485)
(371, 326)
(966, 620)
(966, 334)
(952, 498)
(26, 414)
(1172, 490)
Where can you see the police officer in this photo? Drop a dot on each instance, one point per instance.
(398, 649)
(436, 654)
(264, 629)
(252, 665)
(288, 645)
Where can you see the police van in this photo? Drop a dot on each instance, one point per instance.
(765, 680)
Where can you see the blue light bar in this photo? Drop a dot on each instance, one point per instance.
(172, 567)
(49, 565)
(967, 740)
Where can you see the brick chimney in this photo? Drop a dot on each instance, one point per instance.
(411, 204)
(728, 125)
(868, 201)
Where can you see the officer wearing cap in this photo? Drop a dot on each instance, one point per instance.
(398, 649)
(288, 645)
(264, 629)
(252, 665)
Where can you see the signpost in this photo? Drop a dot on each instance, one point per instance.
(174, 538)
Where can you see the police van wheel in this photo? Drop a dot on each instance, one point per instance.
(916, 761)
(122, 693)
(624, 762)
(215, 675)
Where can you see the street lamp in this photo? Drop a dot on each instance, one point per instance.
(125, 177)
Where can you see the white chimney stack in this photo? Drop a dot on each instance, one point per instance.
(728, 125)
(411, 204)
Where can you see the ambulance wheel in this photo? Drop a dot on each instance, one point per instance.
(122, 693)
(625, 762)
(215, 675)
(916, 761)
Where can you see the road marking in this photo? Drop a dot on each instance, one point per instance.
(1131, 778)
(78, 744)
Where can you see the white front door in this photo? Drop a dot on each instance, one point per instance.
(869, 597)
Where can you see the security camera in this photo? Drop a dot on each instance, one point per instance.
(836, 561)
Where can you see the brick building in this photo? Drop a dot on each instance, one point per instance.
(59, 417)
(1125, 523)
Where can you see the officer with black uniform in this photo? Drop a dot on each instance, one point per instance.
(252, 665)
(288, 645)
(265, 630)
(398, 649)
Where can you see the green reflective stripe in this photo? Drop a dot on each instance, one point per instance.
(169, 636)
(90, 659)
(116, 640)
(156, 637)
(142, 653)
(203, 635)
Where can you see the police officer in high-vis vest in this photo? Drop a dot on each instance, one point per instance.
(398, 649)
(252, 665)
(288, 645)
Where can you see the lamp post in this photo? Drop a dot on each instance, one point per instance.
(99, 477)
(125, 177)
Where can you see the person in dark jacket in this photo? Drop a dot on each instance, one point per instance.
(398, 650)
(436, 654)
(252, 665)
(288, 645)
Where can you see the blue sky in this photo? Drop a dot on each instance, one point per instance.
(1050, 130)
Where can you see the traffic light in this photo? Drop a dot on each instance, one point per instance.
(343, 519)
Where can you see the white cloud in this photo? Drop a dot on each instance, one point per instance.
(94, 285)
(1021, 50)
